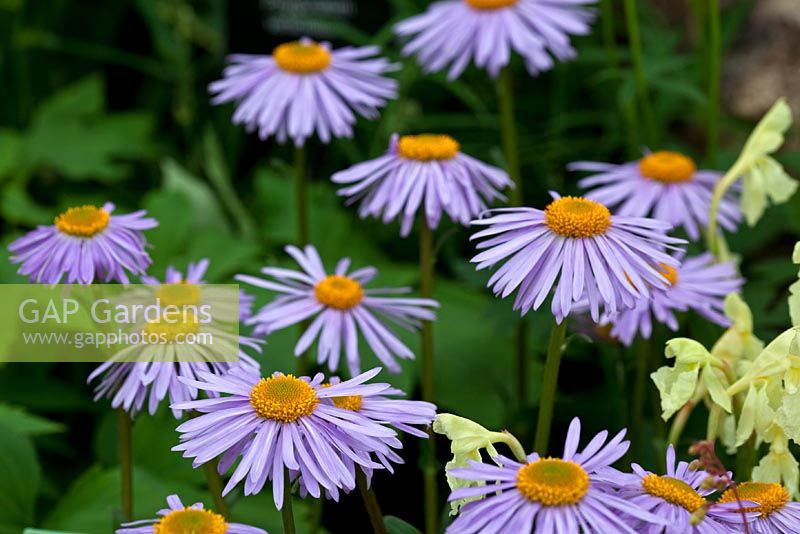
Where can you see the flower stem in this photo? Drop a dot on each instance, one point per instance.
(682, 417)
(301, 195)
(640, 393)
(549, 386)
(508, 133)
(510, 142)
(719, 193)
(430, 471)
(640, 78)
(286, 511)
(214, 482)
(125, 431)
(714, 61)
(371, 503)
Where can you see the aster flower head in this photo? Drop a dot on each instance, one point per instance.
(453, 33)
(280, 424)
(305, 88)
(424, 173)
(698, 284)
(341, 307)
(664, 185)
(565, 495)
(775, 512)
(148, 372)
(675, 497)
(85, 244)
(576, 245)
(383, 408)
(180, 519)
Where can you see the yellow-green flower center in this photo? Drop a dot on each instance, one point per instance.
(427, 147)
(283, 398)
(673, 491)
(191, 521)
(301, 58)
(178, 294)
(83, 221)
(553, 482)
(490, 4)
(174, 327)
(577, 217)
(339, 292)
(667, 167)
(770, 496)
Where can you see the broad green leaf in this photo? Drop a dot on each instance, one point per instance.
(25, 423)
(20, 477)
(9, 151)
(395, 525)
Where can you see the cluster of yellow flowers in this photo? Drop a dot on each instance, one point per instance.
(751, 389)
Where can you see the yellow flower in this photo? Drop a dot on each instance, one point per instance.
(779, 465)
(737, 342)
(794, 290)
(764, 177)
(467, 438)
(757, 413)
(677, 384)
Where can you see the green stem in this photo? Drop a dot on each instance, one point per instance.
(609, 40)
(220, 177)
(301, 195)
(370, 503)
(714, 61)
(125, 430)
(640, 78)
(430, 472)
(286, 511)
(510, 142)
(549, 386)
(508, 133)
(719, 192)
(682, 417)
(315, 520)
(639, 393)
(214, 482)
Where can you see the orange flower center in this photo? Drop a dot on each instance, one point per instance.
(577, 217)
(83, 221)
(340, 292)
(553, 482)
(770, 496)
(490, 4)
(673, 491)
(668, 272)
(301, 58)
(427, 147)
(191, 521)
(283, 398)
(667, 167)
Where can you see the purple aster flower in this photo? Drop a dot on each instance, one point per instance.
(545, 495)
(305, 88)
(674, 497)
(578, 246)
(775, 514)
(699, 284)
(180, 519)
(452, 33)
(282, 424)
(84, 245)
(341, 308)
(148, 372)
(663, 185)
(381, 408)
(425, 173)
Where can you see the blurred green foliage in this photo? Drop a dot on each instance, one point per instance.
(106, 101)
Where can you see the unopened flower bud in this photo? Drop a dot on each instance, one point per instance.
(698, 516)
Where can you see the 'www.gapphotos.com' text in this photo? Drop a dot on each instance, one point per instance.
(80, 340)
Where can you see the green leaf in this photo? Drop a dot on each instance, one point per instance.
(71, 133)
(25, 423)
(9, 151)
(20, 476)
(40, 531)
(395, 525)
(204, 209)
